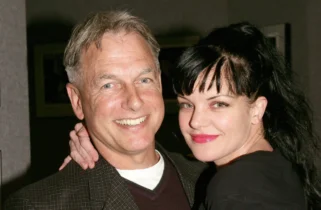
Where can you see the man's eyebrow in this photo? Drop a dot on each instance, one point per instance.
(103, 77)
(107, 76)
(146, 71)
(112, 76)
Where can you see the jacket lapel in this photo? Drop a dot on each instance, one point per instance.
(108, 190)
(183, 173)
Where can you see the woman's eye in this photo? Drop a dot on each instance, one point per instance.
(220, 105)
(185, 106)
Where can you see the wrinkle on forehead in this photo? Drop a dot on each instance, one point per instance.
(118, 51)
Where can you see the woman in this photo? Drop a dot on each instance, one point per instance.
(240, 109)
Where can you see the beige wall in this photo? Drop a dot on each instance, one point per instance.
(14, 108)
(161, 15)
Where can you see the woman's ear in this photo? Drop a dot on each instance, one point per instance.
(258, 109)
(75, 99)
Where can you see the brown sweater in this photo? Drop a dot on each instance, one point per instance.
(168, 189)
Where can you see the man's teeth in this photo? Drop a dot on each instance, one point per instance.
(131, 122)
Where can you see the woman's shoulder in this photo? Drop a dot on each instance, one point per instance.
(251, 169)
(260, 176)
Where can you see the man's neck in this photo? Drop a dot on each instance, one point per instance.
(129, 160)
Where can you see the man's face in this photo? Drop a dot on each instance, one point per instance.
(121, 96)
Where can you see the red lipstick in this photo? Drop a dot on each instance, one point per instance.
(203, 138)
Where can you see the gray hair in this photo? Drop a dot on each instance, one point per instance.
(94, 27)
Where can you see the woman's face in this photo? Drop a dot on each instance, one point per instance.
(221, 126)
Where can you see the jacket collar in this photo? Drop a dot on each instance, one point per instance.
(183, 173)
(107, 186)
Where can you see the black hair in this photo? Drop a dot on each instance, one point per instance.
(242, 56)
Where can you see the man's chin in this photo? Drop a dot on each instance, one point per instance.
(142, 145)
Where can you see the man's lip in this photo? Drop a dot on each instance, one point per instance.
(203, 138)
(132, 122)
(132, 118)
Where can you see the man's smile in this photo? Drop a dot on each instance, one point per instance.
(131, 122)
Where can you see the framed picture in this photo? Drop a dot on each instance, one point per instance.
(50, 81)
(171, 49)
(278, 35)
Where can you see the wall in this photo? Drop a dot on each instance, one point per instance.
(263, 13)
(14, 108)
(314, 57)
(303, 17)
(162, 16)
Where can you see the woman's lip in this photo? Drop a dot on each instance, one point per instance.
(203, 138)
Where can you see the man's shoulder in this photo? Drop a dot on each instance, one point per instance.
(51, 189)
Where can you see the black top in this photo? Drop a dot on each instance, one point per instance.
(260, 180)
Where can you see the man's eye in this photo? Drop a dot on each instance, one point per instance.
(146, 80)
(108, 86)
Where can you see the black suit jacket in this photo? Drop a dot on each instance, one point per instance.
(100, 188)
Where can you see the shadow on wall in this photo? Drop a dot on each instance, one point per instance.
(13, 185)
(49, 135)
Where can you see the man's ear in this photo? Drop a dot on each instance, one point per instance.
(258, 109)
(159, 75)
(75, 99)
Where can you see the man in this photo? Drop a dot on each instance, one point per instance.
(115, 87)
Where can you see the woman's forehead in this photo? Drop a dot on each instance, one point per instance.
(211, 82)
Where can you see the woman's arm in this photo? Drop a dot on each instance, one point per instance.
(81, 149)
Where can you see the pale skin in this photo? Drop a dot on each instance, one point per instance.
(221, 126)
(120, 98)
(233, 125)
(82, 150)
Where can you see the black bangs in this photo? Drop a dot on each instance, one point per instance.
(236, 54)
(200, 61)
(191, 64)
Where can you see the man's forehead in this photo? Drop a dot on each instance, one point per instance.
(114, 75)
(120, 43)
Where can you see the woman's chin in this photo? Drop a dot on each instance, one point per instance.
(203, 157)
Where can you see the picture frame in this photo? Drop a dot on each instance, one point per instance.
(278, 35)
(50, 81)
(171, 48)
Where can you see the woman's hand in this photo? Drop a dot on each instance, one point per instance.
(81, 149)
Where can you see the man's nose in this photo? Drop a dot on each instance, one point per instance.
(133, 99)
